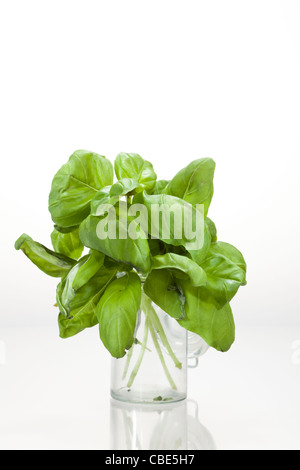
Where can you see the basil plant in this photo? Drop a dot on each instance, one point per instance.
(111, 258)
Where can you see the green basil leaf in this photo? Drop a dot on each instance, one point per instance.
(178, 250)
(112, 194)
(102, 197)
(51, 263)
(194, 183)
(65, 229)
(117, 313)
(88, 269)
(82, 305)
(215, 326)
(172, 220)
(132, 165)
(212, 229)
(76, 278)
(181, 266)
(157, 247)
(121, 267)
(126, 250)
(226, 272)
(75, 185)
(199, 255)
(65, 292)
(67, 244)
(163, 290)
(230, 252)
(69, 327)
(123, 187)
(160, 186)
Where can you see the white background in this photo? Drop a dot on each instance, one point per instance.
(173, 81)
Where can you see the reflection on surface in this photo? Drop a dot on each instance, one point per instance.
(170, 426)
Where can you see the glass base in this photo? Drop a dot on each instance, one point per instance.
(147, 395)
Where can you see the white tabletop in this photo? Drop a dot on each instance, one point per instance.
(54, 394)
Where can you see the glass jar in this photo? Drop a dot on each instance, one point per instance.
(154, 370)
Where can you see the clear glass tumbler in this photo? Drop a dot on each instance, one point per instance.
(154, 370)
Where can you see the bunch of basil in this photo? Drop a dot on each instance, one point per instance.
(106, 285)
